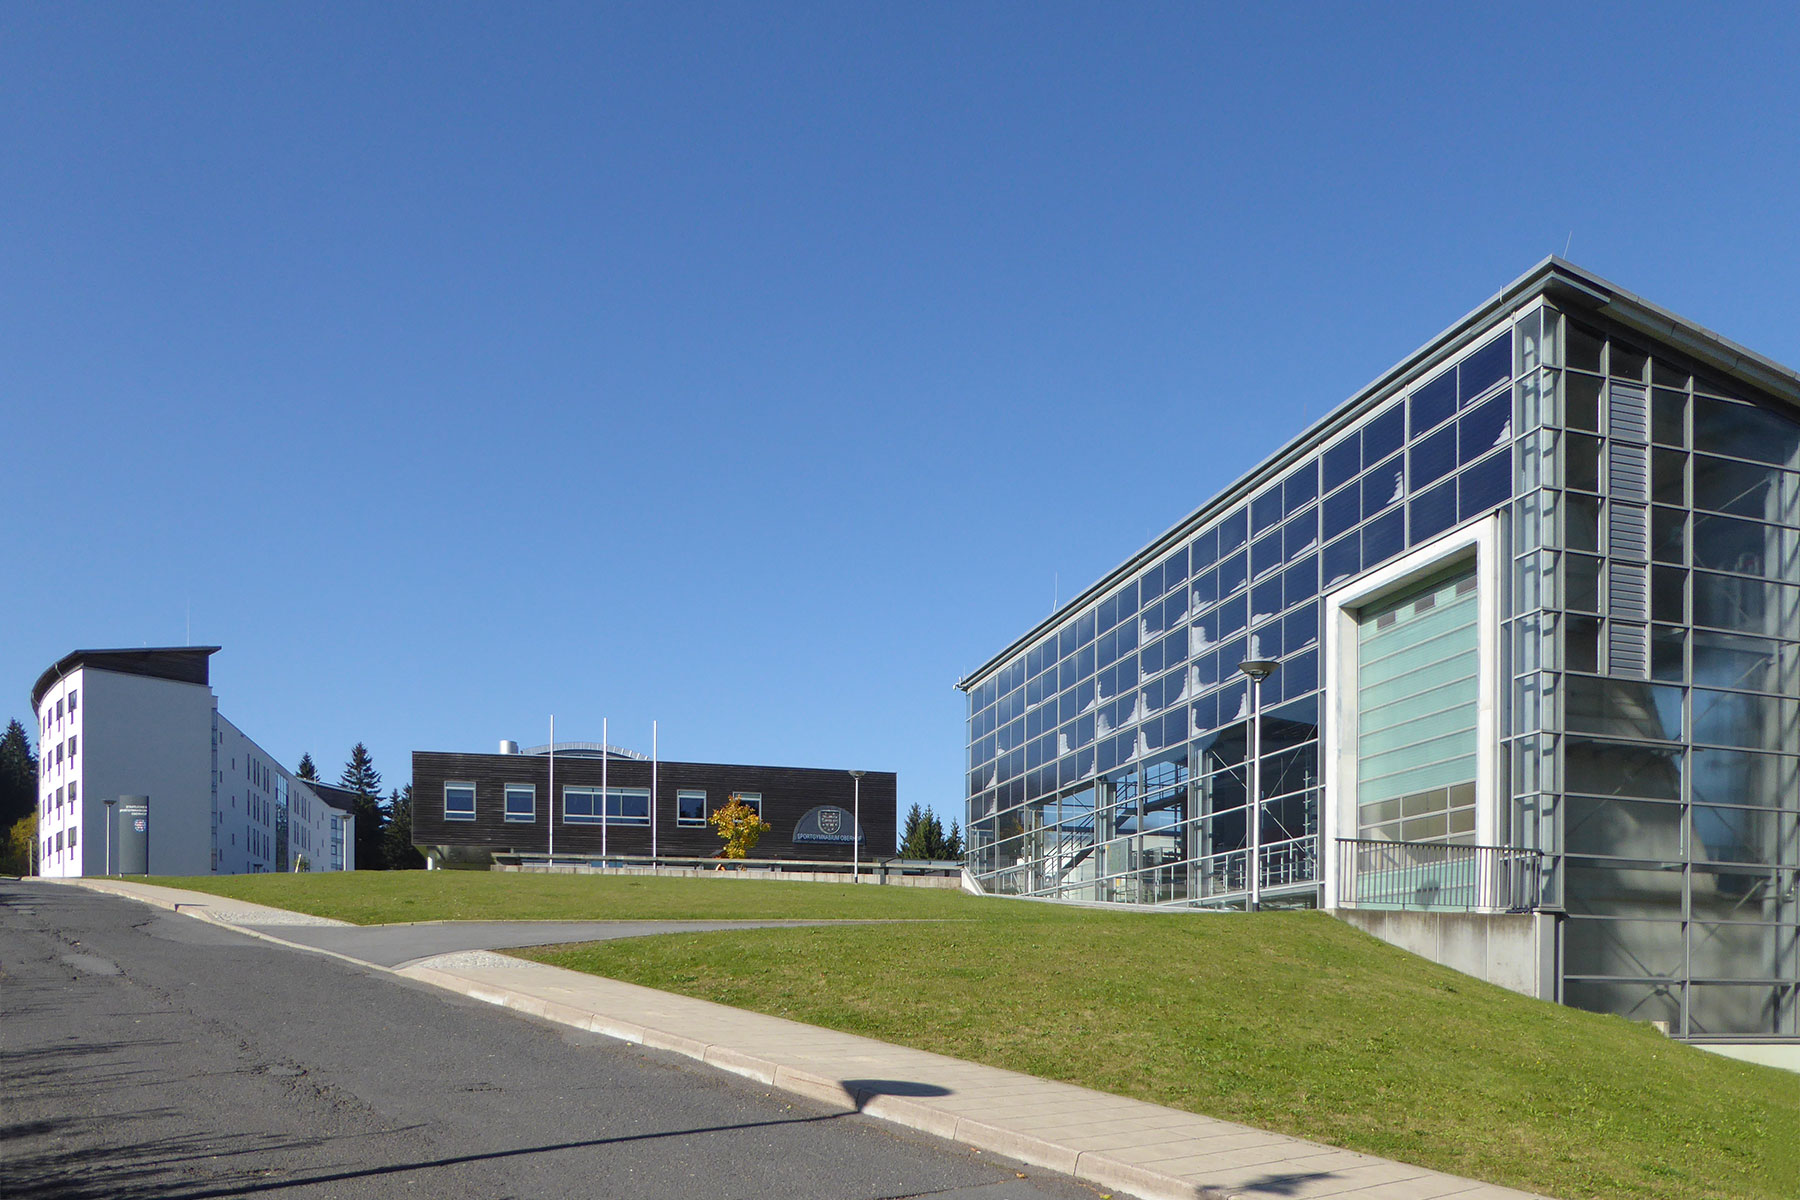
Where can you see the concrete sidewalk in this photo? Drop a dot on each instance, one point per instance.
(1109, 1141)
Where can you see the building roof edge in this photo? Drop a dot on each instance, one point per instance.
(179, 664)
(1551, 277)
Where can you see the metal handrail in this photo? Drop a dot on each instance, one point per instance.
(1438, 876)
(884, 865)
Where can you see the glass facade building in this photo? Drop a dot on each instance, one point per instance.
(1534, 597)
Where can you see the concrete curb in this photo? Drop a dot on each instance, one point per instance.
(1231, 1151)
(1095, 1167)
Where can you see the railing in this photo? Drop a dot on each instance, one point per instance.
(884, 867)
(1435, 877)
(1076, 869)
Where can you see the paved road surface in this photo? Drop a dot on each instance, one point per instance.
(397, 945)
(148, 1054)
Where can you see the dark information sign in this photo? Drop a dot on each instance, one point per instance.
(826, 825)
(134, 835)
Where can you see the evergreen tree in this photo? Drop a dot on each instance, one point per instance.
(911, 831)
(401, 854)
(923, 836)
(18, 776)
(307, 771)
(361, 777)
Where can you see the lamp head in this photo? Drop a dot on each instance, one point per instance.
(858, 774)
(1258, 668)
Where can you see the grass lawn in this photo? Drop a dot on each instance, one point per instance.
(1288, 1021)
(384, 897)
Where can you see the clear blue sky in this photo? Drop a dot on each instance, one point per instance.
(763, 369)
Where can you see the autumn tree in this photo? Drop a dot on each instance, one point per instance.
(740, 825)
(18, 852)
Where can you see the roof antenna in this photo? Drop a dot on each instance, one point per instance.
(1055, 591)
(1568, 242)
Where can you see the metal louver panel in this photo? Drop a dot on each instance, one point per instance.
(1628, 530)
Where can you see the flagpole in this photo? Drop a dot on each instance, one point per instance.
(653, 793)
(552, 861)
(605, 753)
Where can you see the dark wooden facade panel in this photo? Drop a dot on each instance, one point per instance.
(788, 793)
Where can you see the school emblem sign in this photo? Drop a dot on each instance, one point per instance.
(826, 825)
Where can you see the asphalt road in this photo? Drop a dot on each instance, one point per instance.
(397, 945)
(148, 1054)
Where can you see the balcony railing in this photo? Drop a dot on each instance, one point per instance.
(1435, 877)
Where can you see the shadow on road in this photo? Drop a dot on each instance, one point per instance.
(40, 1163)
(157, 1168)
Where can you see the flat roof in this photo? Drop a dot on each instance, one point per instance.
(340, 798)
(180, 664)
(1570, 287)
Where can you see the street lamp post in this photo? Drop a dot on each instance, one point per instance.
(109, 832)
(1256, 670)
(856, 829)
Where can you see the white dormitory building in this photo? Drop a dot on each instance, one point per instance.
(115, 723)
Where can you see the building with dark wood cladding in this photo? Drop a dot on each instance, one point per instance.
(469, 807)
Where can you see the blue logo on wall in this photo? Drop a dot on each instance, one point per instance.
(826, 825)
(139, 824)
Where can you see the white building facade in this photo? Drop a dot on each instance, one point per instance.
(115, 723)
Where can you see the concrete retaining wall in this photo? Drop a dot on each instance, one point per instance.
(1516, 951)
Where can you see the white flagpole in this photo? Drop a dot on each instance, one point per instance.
(552, 790)
(653, 793)
(605, 753)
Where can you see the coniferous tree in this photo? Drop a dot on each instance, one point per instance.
(924, 836)
(402, 855)
(361, 777)
(307, 771)
(18, 775)
(912, 832)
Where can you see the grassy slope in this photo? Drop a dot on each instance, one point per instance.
(1288, 1021)
(1292, 1022)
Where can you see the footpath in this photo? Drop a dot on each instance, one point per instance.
(1108, 1141)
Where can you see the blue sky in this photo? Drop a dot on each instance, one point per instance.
(763, 369)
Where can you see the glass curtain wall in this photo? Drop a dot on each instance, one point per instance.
(1678, 522)
(1109, 760)
(1651, 635)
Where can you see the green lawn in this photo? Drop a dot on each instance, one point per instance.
(383, 897)
(1288, 1021)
